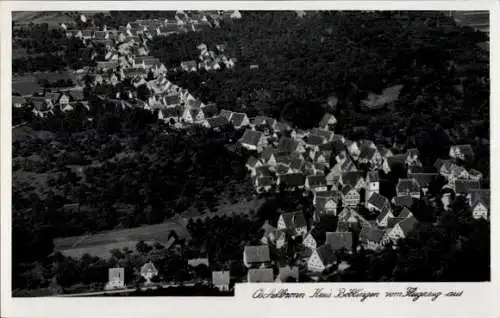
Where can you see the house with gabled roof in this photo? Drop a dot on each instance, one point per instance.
(282, 169)
(193, 115)
(352, 148)
(275, 237)
(268, 156)
(372, 183)
(328, 122)
(316, 183)
(412, 157)
(226, 113)
(170, 114)
(256, 256)
(409, 187)
(314, 238)
(423, 180)
(340, 240)
(288, 274)
(377, 202)
(321, 259)
(327, 205)
(370, 155)
(404, 200)
(349, 217)
(354, 179)
(221, 279)
(325, 134)
(297, 164)
(239, 120)
(480, 204)
(351, 196)
(462, 152)
(372, 238)
(405, 213)
(253, 140)
(402, 228)
(383, 217)
(260, 275)
(294, 222)
(264, 122)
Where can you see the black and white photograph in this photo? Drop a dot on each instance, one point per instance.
(184, 152)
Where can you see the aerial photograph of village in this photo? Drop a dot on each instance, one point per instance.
(179, 153)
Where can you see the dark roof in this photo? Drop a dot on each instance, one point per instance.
(383, 214)
(405, 213)
(220, 278)
(316, 180)
(194, 103)
(265, 181)
(173, 99)
(267, 152)
(281, 169)
(260, 275)
(283, 159)
(326, 254)
(441, 162)
(149, 268)
(465, 186)
(396, 159)
(294, 219)
(171, 112)
(378, 200)
(252, 161)
(257, 254)
(264, 171)
(287, 144)
(251, 137)
(339, 240)
(226, 113)
(423, 179)
(288, 272)
(210, 111)
(404, 200)
(367, 153)
(315, 140)
(237, 118)
(393, 221)
(326, 118)
(348, 166)
(351, 178)
(293, 179)
(297, 163)
(466, 150)
(407, 224)
(217, 121)
(407, 186)
(318, 235)
(371, 234)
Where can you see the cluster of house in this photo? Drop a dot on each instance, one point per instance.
(148, 28)
(46, 102)
(344, 175)
(209, 60)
